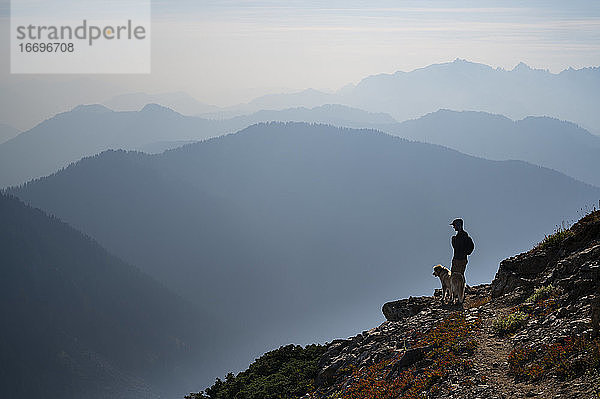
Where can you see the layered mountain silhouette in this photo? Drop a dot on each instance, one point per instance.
(462, 85)
(296, 232)
(333, 114)
(90, 129)
(78, 322)
(571, 94)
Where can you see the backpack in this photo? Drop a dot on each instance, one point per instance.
(469, 245)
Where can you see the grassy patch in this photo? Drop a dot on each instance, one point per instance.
(544, 293)
(542, 302)
(561, 232)
(510, 323)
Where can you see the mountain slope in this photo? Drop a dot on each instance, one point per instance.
(543, 141)
(331, 222)
(79, 323)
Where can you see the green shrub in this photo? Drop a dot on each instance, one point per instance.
(544, 293)
(509, 324)
(287, 372)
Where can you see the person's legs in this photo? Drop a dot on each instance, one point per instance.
(459, 266)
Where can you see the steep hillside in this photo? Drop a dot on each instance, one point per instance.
(534, 332)
(331, 222)
(79, 323)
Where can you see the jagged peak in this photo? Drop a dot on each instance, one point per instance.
(521, 66)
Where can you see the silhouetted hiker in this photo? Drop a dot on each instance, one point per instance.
(463, 246)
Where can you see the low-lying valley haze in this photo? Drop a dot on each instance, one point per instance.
(283, 171)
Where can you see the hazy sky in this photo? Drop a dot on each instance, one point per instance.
(223, 52)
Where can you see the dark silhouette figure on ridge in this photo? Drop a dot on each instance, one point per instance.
(463, 246)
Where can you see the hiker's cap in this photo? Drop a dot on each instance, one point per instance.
(457, 222)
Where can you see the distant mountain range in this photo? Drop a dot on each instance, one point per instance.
(88, 130)
(296, 232)
(461, 85)
(78, 322)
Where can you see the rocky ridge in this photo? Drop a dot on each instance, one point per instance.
(530, 333)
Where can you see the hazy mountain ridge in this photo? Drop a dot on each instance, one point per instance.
(463, 85)
(331, 222)
(90, 129)
(460, 85)
(80, 323)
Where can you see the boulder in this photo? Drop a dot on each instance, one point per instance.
(399, 310)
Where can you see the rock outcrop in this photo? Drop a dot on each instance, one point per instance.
(571, 262)
(400, 310)
(407, 318)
